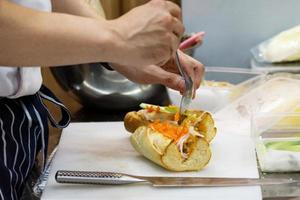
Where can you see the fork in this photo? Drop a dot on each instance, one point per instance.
(189, 88)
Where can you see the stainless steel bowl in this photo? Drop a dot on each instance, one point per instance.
(95, 86)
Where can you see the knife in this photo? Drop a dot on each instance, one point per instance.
(113, 178)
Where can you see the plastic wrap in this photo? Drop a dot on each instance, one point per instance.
(284, 47)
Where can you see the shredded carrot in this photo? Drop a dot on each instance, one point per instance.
(181, 131)
(150, 109)
(153, 109)
(171, 131)
(157, 109)
(177, 117)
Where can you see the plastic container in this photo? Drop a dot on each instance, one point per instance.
(275, 95)
(277, 144)
(292, 67)
(221, 86)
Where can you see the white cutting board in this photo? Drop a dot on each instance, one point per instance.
(106, 147)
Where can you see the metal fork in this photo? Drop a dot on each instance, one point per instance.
(189, 88)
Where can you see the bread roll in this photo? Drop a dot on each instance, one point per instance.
(175, 146)
(162, 151)
(134, 119)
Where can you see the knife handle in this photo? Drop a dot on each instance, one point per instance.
(90, 177)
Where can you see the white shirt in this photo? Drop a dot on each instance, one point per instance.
(17, 81)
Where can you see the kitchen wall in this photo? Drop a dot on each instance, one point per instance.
(235, 26)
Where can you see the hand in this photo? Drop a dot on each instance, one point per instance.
(148, 34)
(167, 74)
(194, 69)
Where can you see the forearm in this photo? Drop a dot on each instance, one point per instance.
(85, 8)
(30, 38)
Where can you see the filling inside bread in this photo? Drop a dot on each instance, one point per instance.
(183, 135)
(165, 120)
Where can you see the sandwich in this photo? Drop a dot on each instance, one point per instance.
(174, 142)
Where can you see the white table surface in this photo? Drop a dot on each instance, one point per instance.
(105, 146)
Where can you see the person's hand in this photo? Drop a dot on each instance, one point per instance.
(194, 69)
(148, 34)
(167, 74)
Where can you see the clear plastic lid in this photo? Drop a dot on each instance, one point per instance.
(293, 67)
(221, 85)
(276, 95)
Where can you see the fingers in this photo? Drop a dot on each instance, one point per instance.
(178, 28)
(194, 68)
(174, 10)
(175, 44)
(173, 81)
(177, 25)
(170, 66)
(171, 7)
(199, 72)
(189, 70)
(171, 20)
(169, 79)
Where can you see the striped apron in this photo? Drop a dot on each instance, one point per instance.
(23, 133)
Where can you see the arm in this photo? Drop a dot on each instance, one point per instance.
(167, 74)
(85, 8)
(30, 38)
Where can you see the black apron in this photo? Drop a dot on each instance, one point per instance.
(23, 133)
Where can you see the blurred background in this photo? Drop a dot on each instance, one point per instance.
(233, 27)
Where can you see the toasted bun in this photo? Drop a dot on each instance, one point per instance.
(162, 151)
(206, 126)
(133, 120)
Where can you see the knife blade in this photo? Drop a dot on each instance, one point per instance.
(113, 178)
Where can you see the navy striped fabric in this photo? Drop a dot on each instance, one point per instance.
(23, 133)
